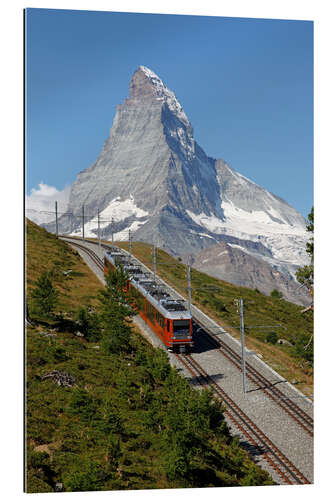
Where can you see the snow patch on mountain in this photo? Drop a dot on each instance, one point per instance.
(210, 222)
(121, 209)
(117, 210)
(287, 243)
(124, 234)
(256, 222)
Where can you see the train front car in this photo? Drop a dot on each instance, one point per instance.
(178, 325)
(166, 315)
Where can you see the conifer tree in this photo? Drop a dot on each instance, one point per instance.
(115, 312)
(45, 295)
(305, 274)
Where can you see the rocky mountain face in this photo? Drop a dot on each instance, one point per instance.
(234, 265)
(153, 179)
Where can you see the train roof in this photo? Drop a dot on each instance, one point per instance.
(158, 294)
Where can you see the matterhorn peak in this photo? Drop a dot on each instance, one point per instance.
(153, 179)
(157, 88)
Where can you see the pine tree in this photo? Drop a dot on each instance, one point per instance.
(89, 324)
(305, 274)
(45, 295)
(115, 312)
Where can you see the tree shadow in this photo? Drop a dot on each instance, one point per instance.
(267, 386)
(254, 451)
(201, 380)
(66, 325)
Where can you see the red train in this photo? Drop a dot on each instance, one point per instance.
(167, 316)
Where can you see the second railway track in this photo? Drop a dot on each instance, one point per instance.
(287, 471)
(290, 407)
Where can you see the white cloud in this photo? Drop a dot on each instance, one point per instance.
(42, 199)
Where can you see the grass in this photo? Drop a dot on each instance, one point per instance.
(46, 253)
(130, 421)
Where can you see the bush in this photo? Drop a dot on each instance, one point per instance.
(159, 365)
(272, 337)
(56, 353)
(176, 463)
(304, 348)
(89, 324)
(82, 404)
(88, 478)
(116, 338)
(45, 295)
(276, 294)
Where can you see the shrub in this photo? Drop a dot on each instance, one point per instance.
(56, 353)
(88, 478)
(89, 324)
(176, 462)
(159, 365)
(45, 295)
(82, 404)
(276, 294)
(272, 337)
(116, 338)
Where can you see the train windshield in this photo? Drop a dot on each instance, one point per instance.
(181, 327)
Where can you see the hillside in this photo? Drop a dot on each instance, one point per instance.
(263, 315)
(97, 419)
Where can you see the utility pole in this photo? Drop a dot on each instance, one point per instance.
(241, 316)
(56, 214)
(112, 230)
(99, 231)
(154, 261)
(83, 222)
(70, 223)
(130, 242)
(189, 287)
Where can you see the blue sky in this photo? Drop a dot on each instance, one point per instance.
(245, 84)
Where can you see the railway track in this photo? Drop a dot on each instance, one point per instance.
(274, 393)
(304, 420)
(272, 455)
(94, 257)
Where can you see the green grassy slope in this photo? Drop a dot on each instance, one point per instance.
(130, 421)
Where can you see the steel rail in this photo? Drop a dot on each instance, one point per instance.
(275, 458)
(274, 393)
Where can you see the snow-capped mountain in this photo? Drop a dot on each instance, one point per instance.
(153, 178)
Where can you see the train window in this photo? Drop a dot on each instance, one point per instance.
(181, 328)
(168, 325)
(179, 324)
